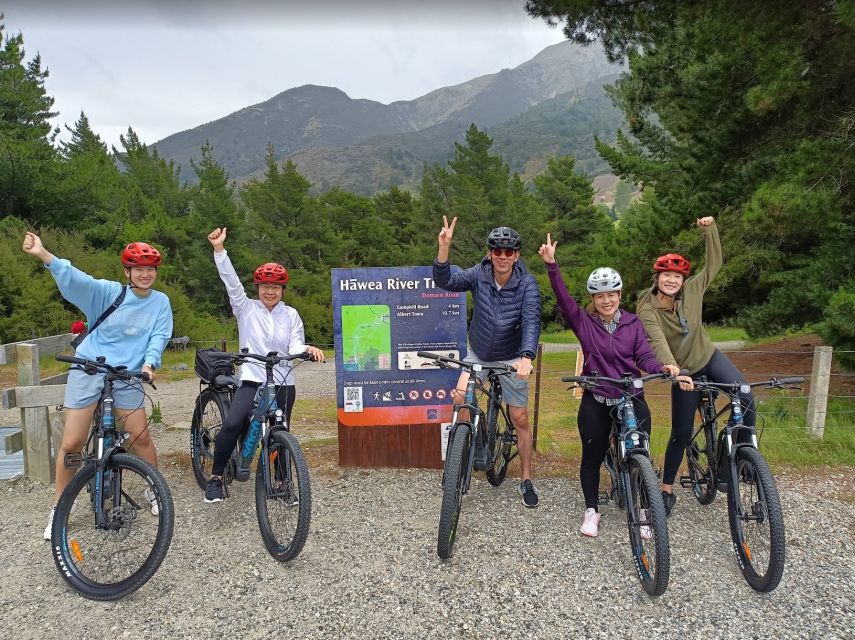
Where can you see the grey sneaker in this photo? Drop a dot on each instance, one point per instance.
(528, 493)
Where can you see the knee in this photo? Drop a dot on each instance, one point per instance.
(143, 439)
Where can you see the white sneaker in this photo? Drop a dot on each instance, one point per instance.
(645, 530)
(591, 525)
(49, 523)
(152, 500)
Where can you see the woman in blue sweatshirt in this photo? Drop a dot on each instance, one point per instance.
(134, 336)
(613, 342)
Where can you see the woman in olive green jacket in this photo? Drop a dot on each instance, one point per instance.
(671, 312)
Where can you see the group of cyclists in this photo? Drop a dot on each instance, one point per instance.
(131, 324)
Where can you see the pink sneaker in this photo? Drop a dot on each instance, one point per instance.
(591, 524)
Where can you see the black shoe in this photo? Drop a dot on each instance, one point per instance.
(668, 499)
(529, 495)
(214, 492)
(242, 473)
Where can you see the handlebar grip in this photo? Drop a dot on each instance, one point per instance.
(427, 354)
(569, 379)
(791, 380)
(70, 359)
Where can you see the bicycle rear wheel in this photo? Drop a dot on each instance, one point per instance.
(111, 562)
(648, 530)
(499, 441)
(758, 534)
(456, 459)
(700, 458)
(208, 416)
(284, 508)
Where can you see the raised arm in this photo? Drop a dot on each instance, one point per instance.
(713, 260)
(234, 288)
(658, 342)
(567, 306)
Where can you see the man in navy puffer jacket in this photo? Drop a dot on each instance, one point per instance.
(505, 325)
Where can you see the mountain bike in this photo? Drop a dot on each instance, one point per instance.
(283, 495)
(634, 485)
(106, 540)
(471, 446)
(729, 461)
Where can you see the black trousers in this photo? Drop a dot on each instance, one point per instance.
(684, 404)
(595, 426)
(236, 420)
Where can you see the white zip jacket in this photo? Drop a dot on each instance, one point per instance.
(259, 330)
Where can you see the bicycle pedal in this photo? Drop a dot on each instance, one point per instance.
(603, 497)
(73, 460)
(687, 483)
(242, 474)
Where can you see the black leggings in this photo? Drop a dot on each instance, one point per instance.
(684, 404)
(595, 426)
(236, 419)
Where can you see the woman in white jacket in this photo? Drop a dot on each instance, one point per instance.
(264, 325)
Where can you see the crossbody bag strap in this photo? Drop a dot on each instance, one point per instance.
(110, 309)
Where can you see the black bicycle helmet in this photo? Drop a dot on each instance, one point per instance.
(504, 238)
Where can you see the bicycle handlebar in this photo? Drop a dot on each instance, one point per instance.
(504, 368)
(734, 387)
(93, 366)
(273, 358)
(625, 382)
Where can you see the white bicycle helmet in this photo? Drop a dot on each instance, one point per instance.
(603, 280)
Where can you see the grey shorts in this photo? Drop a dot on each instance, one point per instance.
(83, 389)
(514, 388)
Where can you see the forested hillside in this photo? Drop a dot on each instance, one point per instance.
(756, 129)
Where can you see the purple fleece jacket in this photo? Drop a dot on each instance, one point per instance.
(609, 354)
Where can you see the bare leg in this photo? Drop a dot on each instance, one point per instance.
(77, 424)
(519, 416)
(140, 441)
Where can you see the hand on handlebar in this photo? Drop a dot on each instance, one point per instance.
(316, 354)
(686, 383)
(522, 367)
(147, 370)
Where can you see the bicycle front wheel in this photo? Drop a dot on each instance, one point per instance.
(499, 441)
(648, 530)
(284, 504)
(456, 460)
(109, 562)
(757, 530)
(208, 416)
(700, 457)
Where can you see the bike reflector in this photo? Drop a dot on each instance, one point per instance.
(744, 388)
(75, 549)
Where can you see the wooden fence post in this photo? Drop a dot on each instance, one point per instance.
(35, 426)
(538, 361)
(818, 399)
(580, 361)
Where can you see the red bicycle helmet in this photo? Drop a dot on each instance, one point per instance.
(140, 254)
(271, 273)
(672, 262)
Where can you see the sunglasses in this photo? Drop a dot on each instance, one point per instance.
(498, 253)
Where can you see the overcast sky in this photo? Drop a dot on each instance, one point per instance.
(165, 66)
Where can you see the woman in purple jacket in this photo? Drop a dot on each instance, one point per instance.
(613, 342)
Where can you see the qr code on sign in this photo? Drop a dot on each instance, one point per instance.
(353, 399)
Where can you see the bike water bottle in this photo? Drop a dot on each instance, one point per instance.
(251, 442)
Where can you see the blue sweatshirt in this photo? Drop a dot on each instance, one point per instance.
(133, 335)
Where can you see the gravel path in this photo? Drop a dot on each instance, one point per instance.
(370, 570)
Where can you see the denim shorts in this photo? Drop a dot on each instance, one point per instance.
(514, 388)
(83, 390)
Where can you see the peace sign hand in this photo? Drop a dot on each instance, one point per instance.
(447, 232)
(547, 251)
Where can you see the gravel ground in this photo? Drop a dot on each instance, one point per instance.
(370, 570)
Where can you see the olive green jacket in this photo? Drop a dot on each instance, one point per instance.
(684, 344)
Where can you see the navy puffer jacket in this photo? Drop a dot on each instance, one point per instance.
(505, 322)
